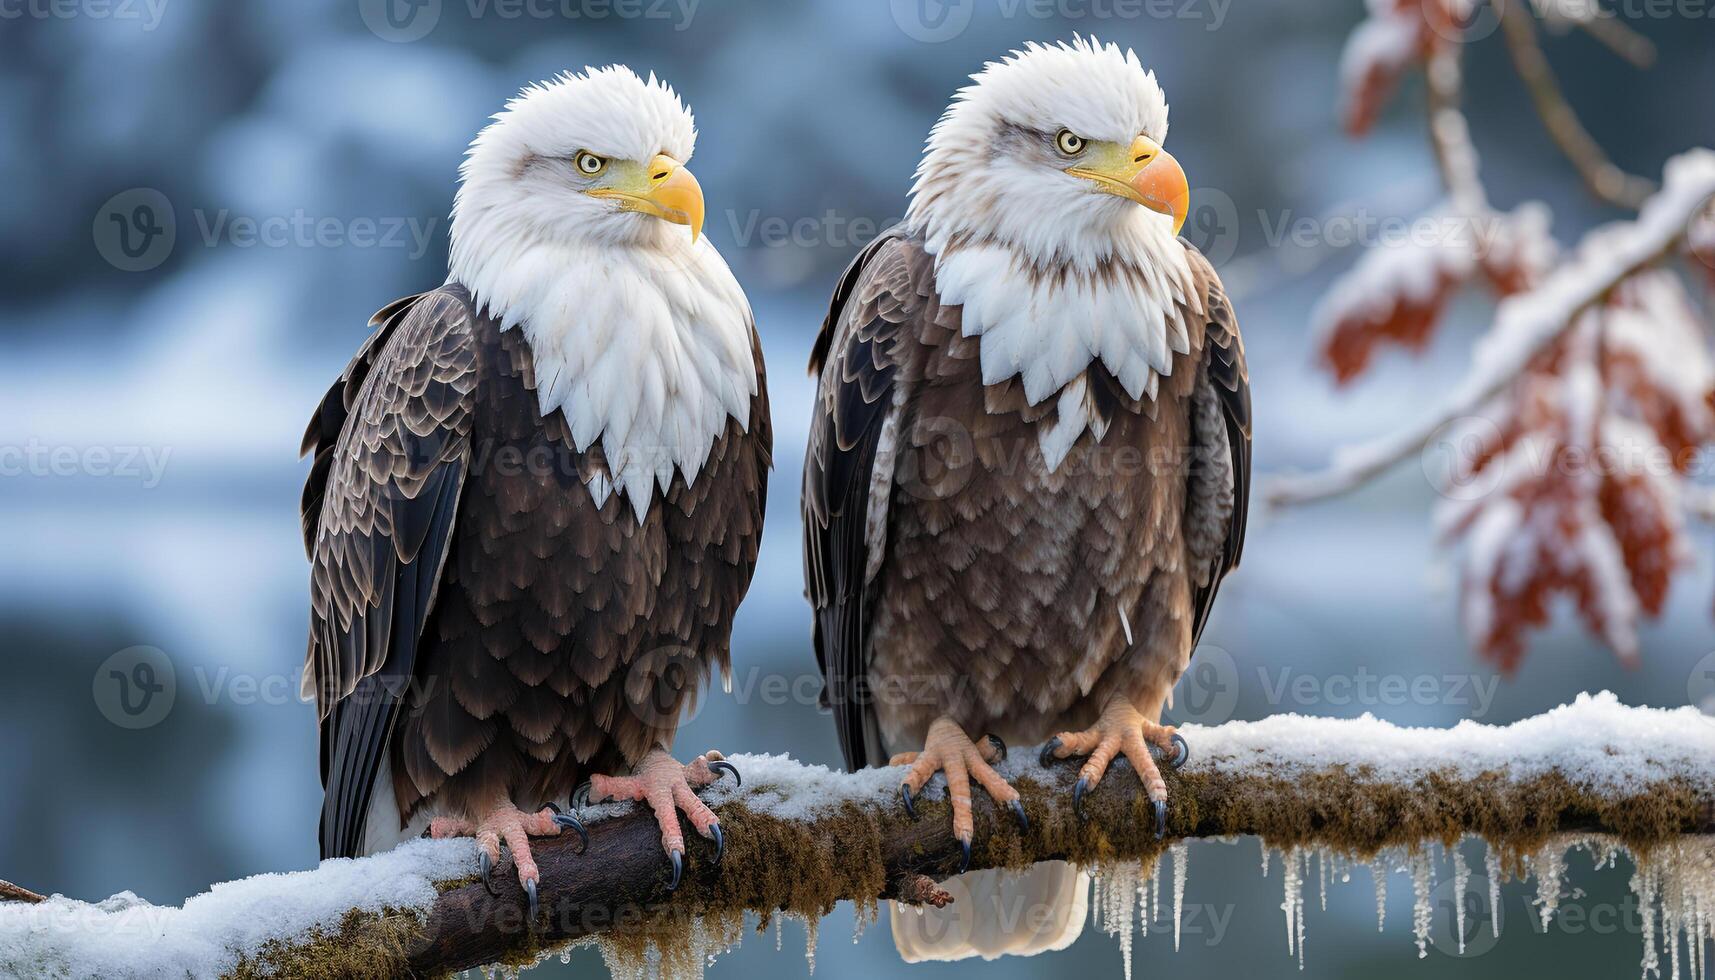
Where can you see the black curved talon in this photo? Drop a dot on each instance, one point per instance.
(999, 746)
(1048, 749)
(1179, 759)
(581, 796)
(720, 841)
(1078, 791)
(1160, 818)
(1018, 811)
(910, 805)
(530, 895)
(964, 855)
(485, 864)
(721, 765)
(566, 821)
(678, 859)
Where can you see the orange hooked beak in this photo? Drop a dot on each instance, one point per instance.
(1142, 172)
(664, 189)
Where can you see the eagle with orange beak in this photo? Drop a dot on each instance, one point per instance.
(537, 498)
(1028, 466)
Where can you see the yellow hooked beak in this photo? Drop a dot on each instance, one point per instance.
(1143, 172)
(663, 189)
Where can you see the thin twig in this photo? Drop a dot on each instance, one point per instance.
(15, 893)
(1450, 134)
(1607, 181)
(1619, 38)
(1535, 319)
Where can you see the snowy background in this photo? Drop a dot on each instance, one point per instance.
(294, 164)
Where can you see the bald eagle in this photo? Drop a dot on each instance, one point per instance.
(1028, 464)
(538, 493)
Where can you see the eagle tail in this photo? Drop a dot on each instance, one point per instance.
(997, 913)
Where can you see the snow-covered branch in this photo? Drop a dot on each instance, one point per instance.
(800, 839)
(1525, 323)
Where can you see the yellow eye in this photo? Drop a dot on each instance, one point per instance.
(589, 164)
(1068, 142)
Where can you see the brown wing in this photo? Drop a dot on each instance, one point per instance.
(856, 404)
(392, 445)
(1218, 503)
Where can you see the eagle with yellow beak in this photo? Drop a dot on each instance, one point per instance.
(1028, 466)
(537, 496)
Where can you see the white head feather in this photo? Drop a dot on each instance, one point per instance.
(640, 336)
(1052, 275)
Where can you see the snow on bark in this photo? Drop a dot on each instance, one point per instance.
(125, 936)
(1594, 743)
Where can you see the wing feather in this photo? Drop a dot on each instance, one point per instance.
(848, 472)
(1222, 447)
(392, 447)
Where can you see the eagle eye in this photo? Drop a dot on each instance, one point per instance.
(1069, 143)
(589, 164)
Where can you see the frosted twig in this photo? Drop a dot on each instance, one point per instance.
(1524, 324)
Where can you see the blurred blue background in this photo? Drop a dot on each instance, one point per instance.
(307, 153)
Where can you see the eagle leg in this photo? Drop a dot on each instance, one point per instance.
(505, 828)
(668, 787)
(1121, 730)
(949, 750)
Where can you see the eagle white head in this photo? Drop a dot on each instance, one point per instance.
(1053, 211)
(589, 158)
(578, 223)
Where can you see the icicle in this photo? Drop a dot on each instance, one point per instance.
(1155, 886)
(1116, 890)
(1461, 881)
(1289, 904)
(1549, 865)
(1378, 870)
(1322, 874)
(812, 926)
(1144, 907)
(1181, 853)
(1303, 870)
(1492, 869)
(1265, 854)
(1422, 913)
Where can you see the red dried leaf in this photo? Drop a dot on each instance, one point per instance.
(1646, 523)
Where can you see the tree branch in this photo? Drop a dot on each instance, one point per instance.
(801, 839)
(1608, 182)
(1621, 39)
(15, 893)
(1524, 325)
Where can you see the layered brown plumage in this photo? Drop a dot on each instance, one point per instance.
(481, 626)
(954, 573)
